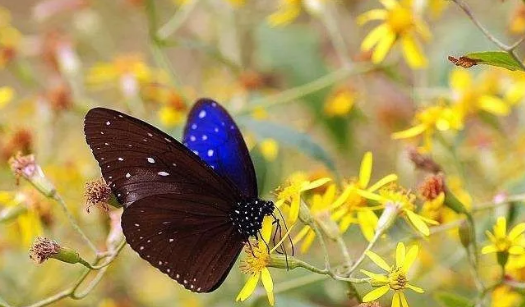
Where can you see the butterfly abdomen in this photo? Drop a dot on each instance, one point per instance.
(247, 216)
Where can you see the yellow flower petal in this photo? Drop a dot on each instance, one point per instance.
(418, 223)
(345, 223)
(460, 80)
(396, 301)
(410, 132)
(414, 288)
(378, 260)
(489, 249)
(403, 299)
(267, 282)
(307, 241)
(500, 229)
(248, 288)
(6, 95)
(410, 257)
(315, 184)
(294, 209)
(382, 182)
(516, 231)
(369, 195)
(389, 4)
(494, 105)
(400, 254)
(376, 14)
(516, 250)
(342, 198)
(375, 294)
(367, 222)
(301, 234)
(366, 170)
(412, 52)
(266, 229)
(374, 37)
(383, 47)
(376, 277)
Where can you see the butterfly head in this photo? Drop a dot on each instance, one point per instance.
(247, 215)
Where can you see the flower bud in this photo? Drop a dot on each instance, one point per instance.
(44, 249)
(305, 215)
(27, 168)
(465, 234)
(453, 203)
(423, 162)
(388, 216)
(282, 262)
(330, 228)
(10, 213)
(115, 231)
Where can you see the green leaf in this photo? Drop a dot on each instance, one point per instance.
(447, 299)
(496, 58)
(289, 137)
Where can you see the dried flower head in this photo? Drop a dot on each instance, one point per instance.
(97, 193)
(463, 61)
(370, 304)
(24, 166)
(432, 187)
(423, 162)
(20, 140)
(43, 249)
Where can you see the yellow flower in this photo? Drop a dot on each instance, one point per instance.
(128, 72)
(269, 149)
(351, 207)
(515, 90)
(431, 120)
(340, 103)
(291, 194)
(400, 24)
(320, 208)
(6, 95)
(397, 201)
(470, 96)
(503, 243)
(436, 7)
(256, 264)
(27, 208)
(171, 117)
(505, 296)
(396, 278)
(517, 22)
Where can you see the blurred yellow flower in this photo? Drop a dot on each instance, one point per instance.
(517, 22)
(431, 120)
(269, 149)
(505, 296)
(319, 208)
(513, 243)
(256, 264)
(398, 201)
(400, 24)
(396, 278)
(351, 207)
(291, 194)
(340, 103)
(259, 113)
(6, 95)
(127, 72)
(436, 7)
(170, 116)
(27, 215)
(471, 96)
(515, 89)
(10, 37)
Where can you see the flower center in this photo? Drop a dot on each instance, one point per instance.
(503, 244)
(257, 258)
(397, 279)
(400, 19)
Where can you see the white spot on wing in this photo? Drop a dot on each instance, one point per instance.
(128, 175)
(192, 138)
(194, 126)
(164, 174)
(210, 153)
(204, 137)
(202, 114)
(108, 123)
(121, 159)
(151, 160)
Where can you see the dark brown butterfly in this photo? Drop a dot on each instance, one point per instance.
(188, 209)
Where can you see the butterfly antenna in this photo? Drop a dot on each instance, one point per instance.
(282, 247)
(251, 248)
(286, 228)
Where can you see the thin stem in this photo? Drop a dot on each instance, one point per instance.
(308, 88)
(73, 222)
(509, 49)
(492, 205)
(319, 234)
(371, 244)
(72, 292)
(335, 36)
(177, 20)
(344, 251)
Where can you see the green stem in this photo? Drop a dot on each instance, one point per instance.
(73, 222)
(344, 251)
(371, 244)
(492, 205)
(337, 39)
(308, 88)
(177, 20)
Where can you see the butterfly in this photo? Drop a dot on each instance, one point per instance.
(189, 207)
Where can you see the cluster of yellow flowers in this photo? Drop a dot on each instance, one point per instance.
(494, 92)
